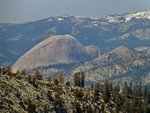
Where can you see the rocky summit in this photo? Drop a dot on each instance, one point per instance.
(60, 49)
(121, 64)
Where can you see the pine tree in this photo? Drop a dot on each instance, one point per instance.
(102, 108)
(131, 88)
(148, 97)
(106, 91)
(77, 80)
(118, 102)
(116, 88)
(92, 86)
(38, 76)
(96, 92)
(29, 78)
(61, 78)
(58, 104)
(89, 109)
(49, 79)
(126, 105)
(77, 107)
(145, 91)
(46, 108)
(56, 81)
(31, 107)
(82, 79)
(49, 95)
(9, 69)
(126, 90)
(135, 101)
(24, 72)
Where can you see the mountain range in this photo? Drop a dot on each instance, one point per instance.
(118, 65)
(114, 48)
(130, 30)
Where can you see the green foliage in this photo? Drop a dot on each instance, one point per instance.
(29, 79)
(145, 91)
(104, 97)
(22, 105)
(79, 79)
(61, 78)
(96, 92)
(38, 76)
(24, 72)
(127, 105)
(46, 108)
(79, 93)
(107, 88)
(56, 81)
(49, 95)
(129, 100)
(116, 88)
(58, 103)
(102, 108)
(89, 109)
(82, 79)
(92, 86)
(49, 79)
(1, 102)
(127, 91)
(77, 107)
(118, 101)
(9, 69)
(67, 83)
(31, 107)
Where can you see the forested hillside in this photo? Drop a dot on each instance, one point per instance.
(20, 92)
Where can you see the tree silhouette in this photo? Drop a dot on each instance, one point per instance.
(61, 78)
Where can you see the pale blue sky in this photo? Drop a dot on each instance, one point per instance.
(29, 10)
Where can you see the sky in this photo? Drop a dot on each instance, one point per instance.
(15, 11)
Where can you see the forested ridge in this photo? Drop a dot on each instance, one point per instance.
(20, 92)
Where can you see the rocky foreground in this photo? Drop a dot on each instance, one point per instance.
(23, 93)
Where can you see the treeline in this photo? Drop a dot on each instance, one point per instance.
(130, 99)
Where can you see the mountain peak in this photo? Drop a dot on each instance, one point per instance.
(138, 15)
(57, 37)
(122, 50)
(60, 49)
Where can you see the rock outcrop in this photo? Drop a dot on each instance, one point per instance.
(60, 49)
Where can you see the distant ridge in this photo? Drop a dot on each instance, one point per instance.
(120, 64)
(131, 30)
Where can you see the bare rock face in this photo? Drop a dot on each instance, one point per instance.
(60, 49)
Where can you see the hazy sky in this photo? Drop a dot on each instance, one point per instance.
(29, 10)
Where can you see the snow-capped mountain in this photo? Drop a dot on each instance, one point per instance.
(138, 15)
(128, 17)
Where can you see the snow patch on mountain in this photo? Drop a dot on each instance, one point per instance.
(128, 17)
(138, 15)
(113, 19)
(60, 19)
